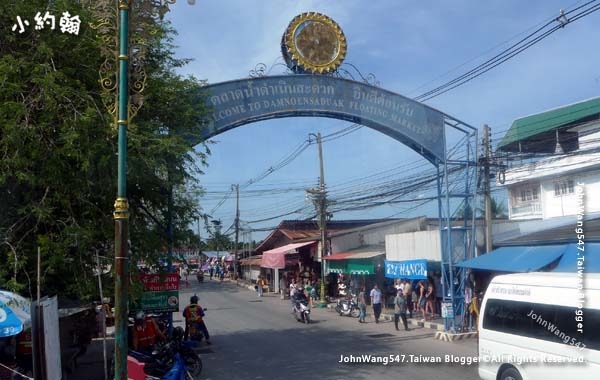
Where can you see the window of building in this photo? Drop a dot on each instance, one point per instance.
(528, 194)
(553, 323)
(564, 188)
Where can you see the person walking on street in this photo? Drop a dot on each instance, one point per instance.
(282, 287)
(376, 302)
(400, 310)
(422, 292)
(211, 271)
(429, 305)
(408, 297)
(193, 314)
(362, 305)
(260, 282)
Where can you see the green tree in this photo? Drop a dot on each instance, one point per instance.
(498, 210)
(58, 148)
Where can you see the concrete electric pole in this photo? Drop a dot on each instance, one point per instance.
(320, 200)
(237, 229)
(487, 191)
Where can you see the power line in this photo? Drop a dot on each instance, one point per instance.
(512, 51)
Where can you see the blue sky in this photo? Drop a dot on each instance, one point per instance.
(410, 46)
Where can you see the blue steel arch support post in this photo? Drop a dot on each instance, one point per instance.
(457, 239)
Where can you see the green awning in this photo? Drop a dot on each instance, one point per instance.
(361, 267)
(530, 126)
(336, 266)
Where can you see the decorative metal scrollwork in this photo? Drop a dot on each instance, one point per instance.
(143, 21)
(342, 72)
(262, 70)
(259, 71)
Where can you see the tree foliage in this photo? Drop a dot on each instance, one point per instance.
(58, 151)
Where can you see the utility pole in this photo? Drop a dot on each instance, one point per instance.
(320, 199)
(488, 199)
(199, 241)
(237, 229)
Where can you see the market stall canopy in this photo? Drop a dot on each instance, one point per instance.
(587, 254)
(14, 314)
(275, 258)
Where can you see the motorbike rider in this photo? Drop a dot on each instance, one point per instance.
(193, 314)
(145, 332)
(299, 296)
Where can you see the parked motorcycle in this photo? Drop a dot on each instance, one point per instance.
(301, 308)
(175, 360)
(348, 307)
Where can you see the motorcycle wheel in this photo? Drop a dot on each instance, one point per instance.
(194, 364)
(307, 319)
(355, 313)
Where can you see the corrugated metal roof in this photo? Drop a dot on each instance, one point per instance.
(308, 230)
(533, 125)
(556, 235)
(366, 252)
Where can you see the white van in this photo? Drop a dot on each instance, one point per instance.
(540, 326)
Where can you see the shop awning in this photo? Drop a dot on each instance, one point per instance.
(516, 259)
(288, 248)
(275, 258)
(252, 261)
(590, 252)
(337, 266)
(338, 256)
(361, 267)
(358, 261)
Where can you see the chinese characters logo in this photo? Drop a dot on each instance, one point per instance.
(67, 23)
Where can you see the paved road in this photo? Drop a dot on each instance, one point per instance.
(258, 338)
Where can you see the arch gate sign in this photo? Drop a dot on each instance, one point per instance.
(416, 125)
(245, 101)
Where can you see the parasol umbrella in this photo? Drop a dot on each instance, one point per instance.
(14, 314)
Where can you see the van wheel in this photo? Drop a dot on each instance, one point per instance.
(510, 374)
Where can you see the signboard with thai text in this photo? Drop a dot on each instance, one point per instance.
(245, 101)
(161, 293)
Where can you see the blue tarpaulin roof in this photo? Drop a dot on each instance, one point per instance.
(588, 252)
(516, 259)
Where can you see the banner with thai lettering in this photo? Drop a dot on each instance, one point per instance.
(409, 269)
(240, 102)
(161, 293)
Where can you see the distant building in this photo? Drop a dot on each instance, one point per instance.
(565, 144)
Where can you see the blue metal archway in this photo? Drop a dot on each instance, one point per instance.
(420, 127)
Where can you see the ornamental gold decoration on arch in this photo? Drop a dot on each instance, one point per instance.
(313, 43)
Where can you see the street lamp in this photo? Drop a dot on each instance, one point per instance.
(121, 212)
